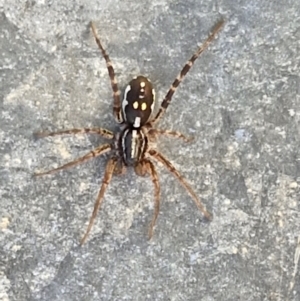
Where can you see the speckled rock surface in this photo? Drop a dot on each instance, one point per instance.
(241, 103)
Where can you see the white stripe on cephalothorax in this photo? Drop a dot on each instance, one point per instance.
(143, 141)
(137, 144)
(123, 143)
(133, 143)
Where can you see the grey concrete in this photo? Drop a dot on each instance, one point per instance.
(241, 102)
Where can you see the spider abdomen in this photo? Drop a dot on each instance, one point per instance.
(133, 145)
(138, 101)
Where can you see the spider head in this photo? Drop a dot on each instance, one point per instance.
(133, 143)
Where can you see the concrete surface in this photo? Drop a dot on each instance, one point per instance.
(241, 102)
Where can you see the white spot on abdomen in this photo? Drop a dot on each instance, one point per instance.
(137, 122)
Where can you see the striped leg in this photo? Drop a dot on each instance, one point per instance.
(110, 166)
(113, 80)
(102, 132)
(94, 153)
(141, 169)
(159, 157)
(184, 71)
(174, 134)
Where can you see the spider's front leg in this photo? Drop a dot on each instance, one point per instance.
(143, 168)
(109, 170)
(92, 154)
(160, 158)
(120, 168)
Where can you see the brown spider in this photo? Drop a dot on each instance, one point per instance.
(130, 146)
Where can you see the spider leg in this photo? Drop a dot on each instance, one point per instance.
(120, 168)
(174, 134)
(159, 157)
(184, 71)
(141, 169)
(102, 132)
(113, 80)
(110, 166)
(92, 154)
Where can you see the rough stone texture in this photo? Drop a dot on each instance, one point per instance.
(241, 102)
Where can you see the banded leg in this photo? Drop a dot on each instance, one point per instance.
(141, 169)
(174, 134)
(110, 166)
(184, 71)
(159, 157)
(113, 80)
(102, 132)
(94, 153)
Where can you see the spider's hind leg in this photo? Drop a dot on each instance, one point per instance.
(113, 80)
(165, 103)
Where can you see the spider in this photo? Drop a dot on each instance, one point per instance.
(131, 145)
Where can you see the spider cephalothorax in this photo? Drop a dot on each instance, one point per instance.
(130, 146)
